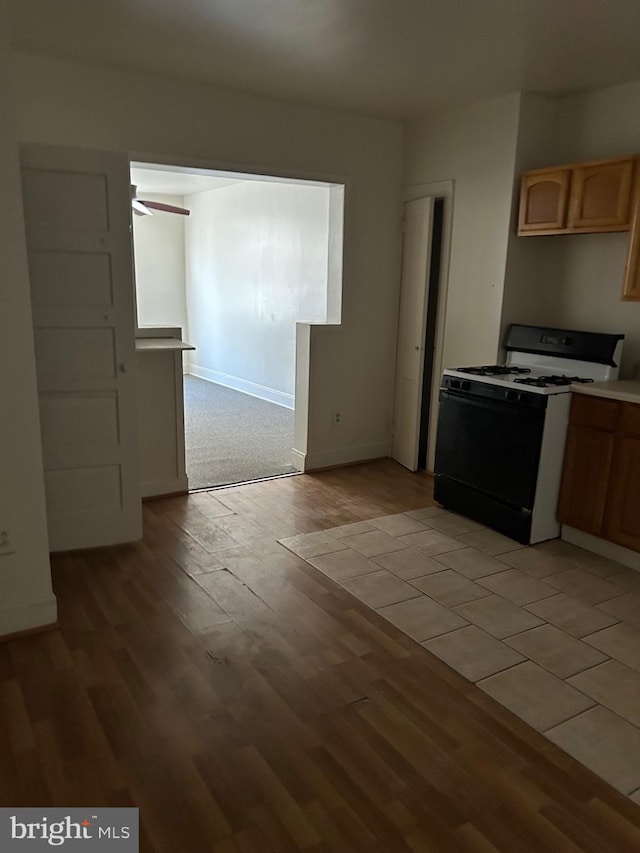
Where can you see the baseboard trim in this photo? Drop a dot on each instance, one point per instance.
(160, 497)
(602, 547)
(29, 632)
(345, 465)
(39, 616)
(244, 385)
(299, 461)
(346, 456)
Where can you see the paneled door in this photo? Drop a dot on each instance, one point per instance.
(78, 226)
(416, 259)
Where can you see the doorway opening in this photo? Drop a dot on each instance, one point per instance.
(423, 291)
(433, 294)
(253, 259)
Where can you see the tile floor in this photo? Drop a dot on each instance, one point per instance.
(552, 632)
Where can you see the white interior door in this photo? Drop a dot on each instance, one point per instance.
(416, 259)
(78, 220)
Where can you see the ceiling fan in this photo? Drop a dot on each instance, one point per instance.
(142, 207)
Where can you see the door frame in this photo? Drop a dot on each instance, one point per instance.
(337, 262)
(445, 191)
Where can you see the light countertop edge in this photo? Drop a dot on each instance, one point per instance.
(156, 344)
(627, 390)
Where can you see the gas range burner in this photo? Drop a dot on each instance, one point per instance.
(550, 381)
(493, 370)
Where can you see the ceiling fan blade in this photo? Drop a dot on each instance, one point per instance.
(165, 208)
(139, 208)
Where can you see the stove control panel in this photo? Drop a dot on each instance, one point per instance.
(492, 392)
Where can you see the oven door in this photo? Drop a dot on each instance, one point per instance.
(491, 445)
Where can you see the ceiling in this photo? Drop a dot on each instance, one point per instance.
(170, 179)
(182, 182)
(394, 58)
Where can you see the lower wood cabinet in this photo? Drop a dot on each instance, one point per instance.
(600, 491)
(623, 515)
(587, 464)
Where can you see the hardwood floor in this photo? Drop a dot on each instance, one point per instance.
(247, 704)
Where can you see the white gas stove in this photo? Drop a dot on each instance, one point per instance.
(502, 428)
(541, 374)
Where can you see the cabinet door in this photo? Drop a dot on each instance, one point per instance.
(587, 465)
(631, 289)
(594, 412)
(623, 515)
(601, 196)
(543, 201)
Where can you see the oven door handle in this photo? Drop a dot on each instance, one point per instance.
(492, 403)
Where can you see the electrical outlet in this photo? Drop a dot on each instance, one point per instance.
(5, 544)
(336, 419)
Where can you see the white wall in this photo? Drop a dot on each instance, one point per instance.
(576, 281)
(257, 255)
(163, 120)
(566, 281)
(605, 123)
(532, 262)
(26, 597)
(602, 124)
(475, 147)
(158, 242)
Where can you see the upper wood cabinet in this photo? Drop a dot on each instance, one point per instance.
(543, 201)
(577, 199)
(601, 196)
(631, 287)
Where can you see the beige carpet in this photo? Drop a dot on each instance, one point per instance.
(552, 631)
(231, 437)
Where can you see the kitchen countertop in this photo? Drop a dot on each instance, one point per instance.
(151, 344)
(627, 390)
(157, 338)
